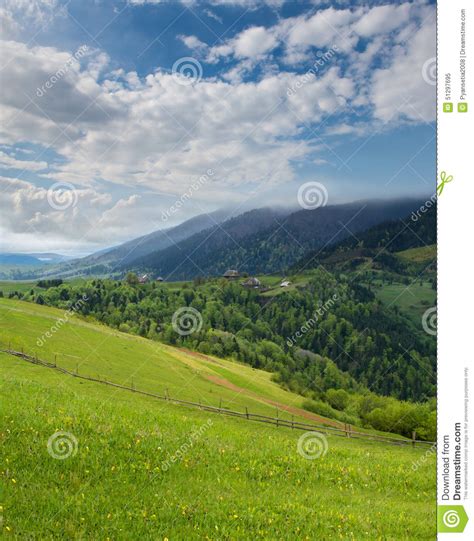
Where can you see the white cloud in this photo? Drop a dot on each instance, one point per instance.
(15, 15)
(150, 137)
(27, 218)
(326, 28)
(382, 19)
(143, 2)
(194, 43)
(156, 132)
(10, 162)
(249, 4)
(38, 104)
(399, 90)
(26, 212)
(254, 42)
(212, 15)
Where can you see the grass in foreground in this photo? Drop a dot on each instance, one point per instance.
(236, 480)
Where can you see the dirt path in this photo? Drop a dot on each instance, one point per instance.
(290, 409)
(294, 410)
(198, 355)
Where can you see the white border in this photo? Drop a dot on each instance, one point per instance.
(455, 247)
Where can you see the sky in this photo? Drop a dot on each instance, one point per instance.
(121, 117)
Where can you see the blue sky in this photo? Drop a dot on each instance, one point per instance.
(114, 111)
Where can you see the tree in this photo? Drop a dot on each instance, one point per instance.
(131, 279)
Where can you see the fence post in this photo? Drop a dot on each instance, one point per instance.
(277, 418)
(55, 359)
(167, 394)
(413, 437)
(349, 430)
(220, 405)
(292, 421)
(246, 412)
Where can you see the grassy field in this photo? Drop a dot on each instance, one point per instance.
(414, 299)
(7, 286)
(273, 282)
(423, 254)
(137, 467)
(98, 351)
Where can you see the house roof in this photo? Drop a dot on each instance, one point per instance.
(230, 273)
(252, 282)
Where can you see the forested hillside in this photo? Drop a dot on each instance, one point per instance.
(254, 245)
(331, 341)
(380, 242)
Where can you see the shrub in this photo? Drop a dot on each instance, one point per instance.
(338, 398)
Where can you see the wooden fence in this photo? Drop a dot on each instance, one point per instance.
(346, 432)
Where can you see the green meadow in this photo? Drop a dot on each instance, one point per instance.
(101, 352)
(421, 254)
(132, 466)
(8, 286)
(413, 299)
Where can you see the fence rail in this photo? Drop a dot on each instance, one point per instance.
(346, 432)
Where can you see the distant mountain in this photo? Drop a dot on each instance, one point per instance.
(108, 260)
(265, 241)
(14, 259)
(19, 259)
(210, 251)
(51, 258)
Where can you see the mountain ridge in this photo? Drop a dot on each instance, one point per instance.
(276, 244)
